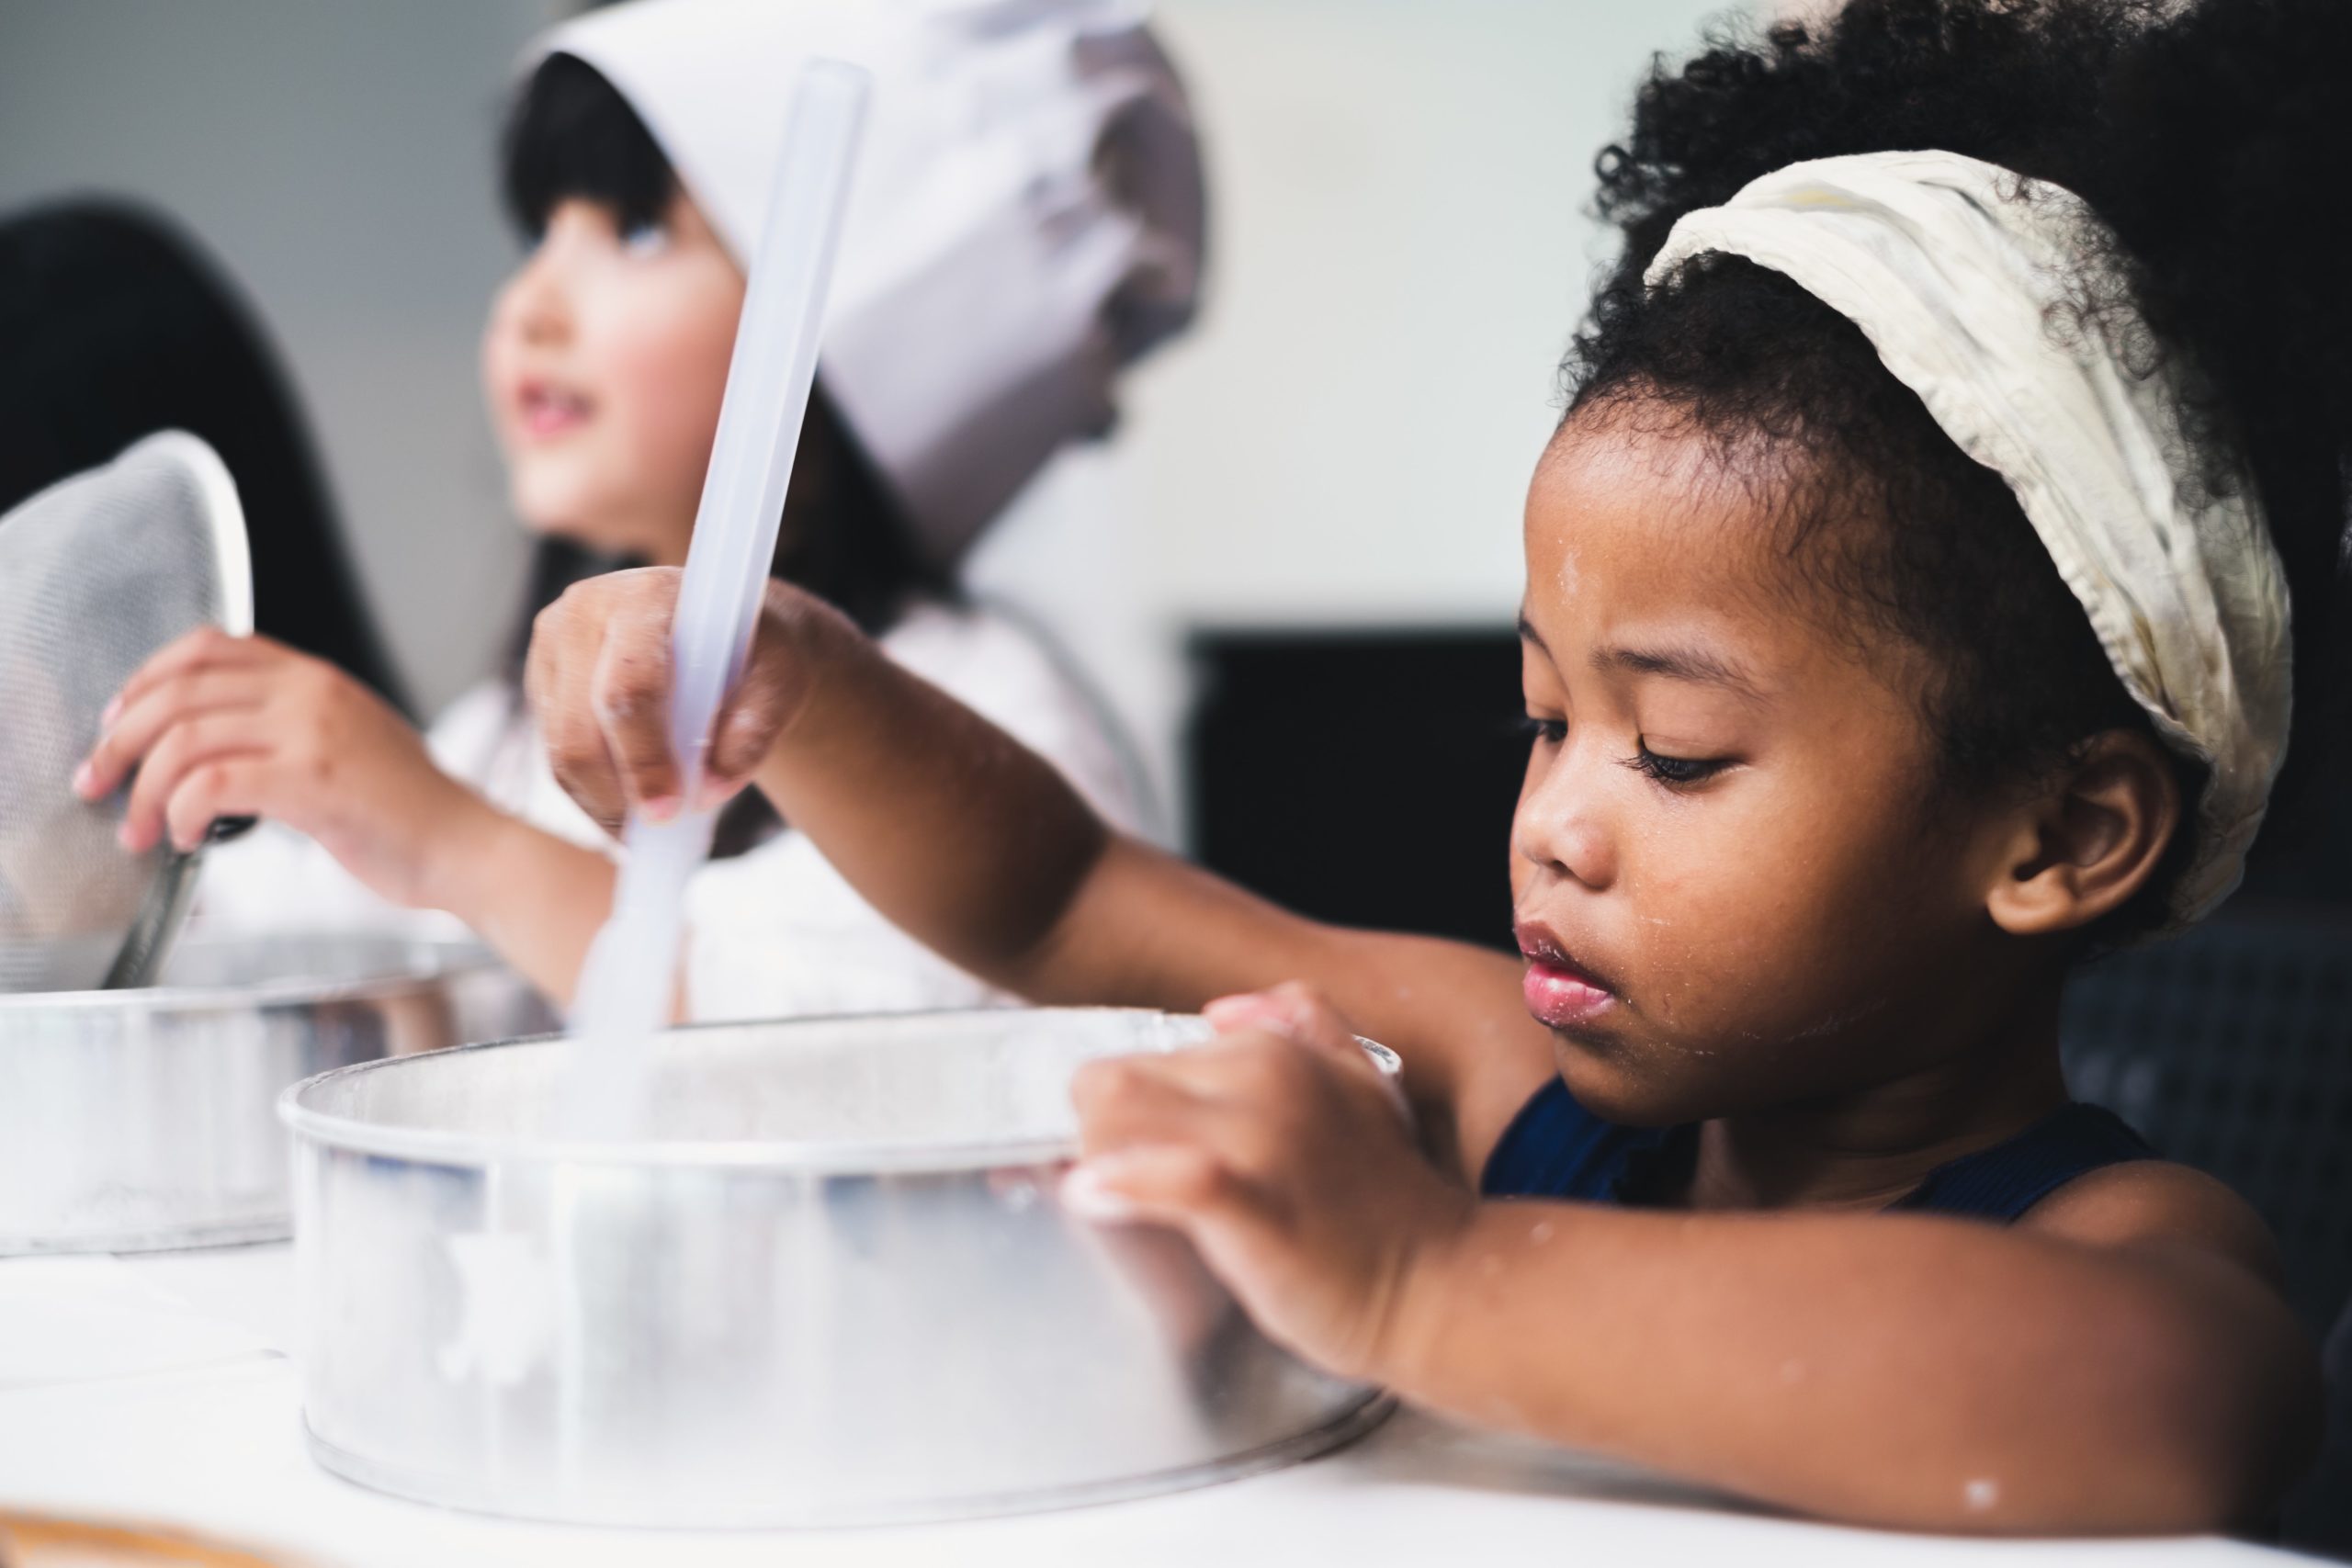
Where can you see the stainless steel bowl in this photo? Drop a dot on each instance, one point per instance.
(832, 1283)
(141, 1119)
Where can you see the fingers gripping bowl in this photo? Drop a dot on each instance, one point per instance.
(832, 1282)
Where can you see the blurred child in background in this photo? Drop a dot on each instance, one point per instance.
(1027, 221)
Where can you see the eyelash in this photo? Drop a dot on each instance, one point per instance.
(1551, 731)
(645, 239)
(1674, 772)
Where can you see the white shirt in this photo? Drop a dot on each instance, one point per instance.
(773, 933)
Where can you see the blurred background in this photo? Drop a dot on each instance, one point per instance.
(1337, 454)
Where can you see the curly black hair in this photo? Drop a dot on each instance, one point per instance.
(2207, 138)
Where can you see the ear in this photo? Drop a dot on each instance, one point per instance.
(2082, 845)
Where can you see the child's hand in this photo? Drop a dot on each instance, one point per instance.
(219, 726)
(1281, 1151)
(599, 678)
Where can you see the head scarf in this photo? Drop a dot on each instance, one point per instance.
(1027, 218)
(1962, 275)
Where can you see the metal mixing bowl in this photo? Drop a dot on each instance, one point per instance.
(831, 1283)
(140, 1119)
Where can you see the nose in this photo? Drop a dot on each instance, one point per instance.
(1561, 827)
(534, 307)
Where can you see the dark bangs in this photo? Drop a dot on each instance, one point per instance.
(572, 136)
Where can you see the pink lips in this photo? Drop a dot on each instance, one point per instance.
(548, 410)
(1558, 992)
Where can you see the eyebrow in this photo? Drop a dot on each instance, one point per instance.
(1694, 664)
(1676, 664)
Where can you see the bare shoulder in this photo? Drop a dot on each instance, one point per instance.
(2155, 1202)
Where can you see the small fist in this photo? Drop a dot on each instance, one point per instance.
(599, 677)
(217, 726)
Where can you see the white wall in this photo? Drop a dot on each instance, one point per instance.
(1400, 253)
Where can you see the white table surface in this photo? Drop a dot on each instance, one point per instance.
(156, 1389)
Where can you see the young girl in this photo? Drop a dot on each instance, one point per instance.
(1905, 618)
(1027, 221)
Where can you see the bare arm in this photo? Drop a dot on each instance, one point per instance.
(537, 899)
(1895, 1370)
(2116, 1360)
(977, 848)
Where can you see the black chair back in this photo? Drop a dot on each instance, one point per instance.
(2230, 1048)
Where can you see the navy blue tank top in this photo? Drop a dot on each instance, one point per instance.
(1555, 1148)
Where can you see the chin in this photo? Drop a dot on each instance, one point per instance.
(541, 507)
(1623, 1083)
(554, 515)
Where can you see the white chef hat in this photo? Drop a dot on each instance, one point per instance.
(1028, 215)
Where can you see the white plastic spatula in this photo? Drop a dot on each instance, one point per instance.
(628, 983)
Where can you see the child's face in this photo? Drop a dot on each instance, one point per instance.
(1724, 824)
(604, 359)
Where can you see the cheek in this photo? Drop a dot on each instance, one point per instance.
(1769, 920)
(1710, 916)
(667, 389)
(657, 353)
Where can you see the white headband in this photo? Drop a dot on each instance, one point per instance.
(1959, 273)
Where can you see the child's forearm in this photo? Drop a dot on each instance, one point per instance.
(964, 839)
(956, 832)
(1907, 1370)
(537, 899)
(978, 849)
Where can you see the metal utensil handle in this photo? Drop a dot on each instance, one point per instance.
(148, 943)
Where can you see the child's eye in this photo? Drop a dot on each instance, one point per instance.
(1543, 731)
(1674, 769)
(645, 239)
